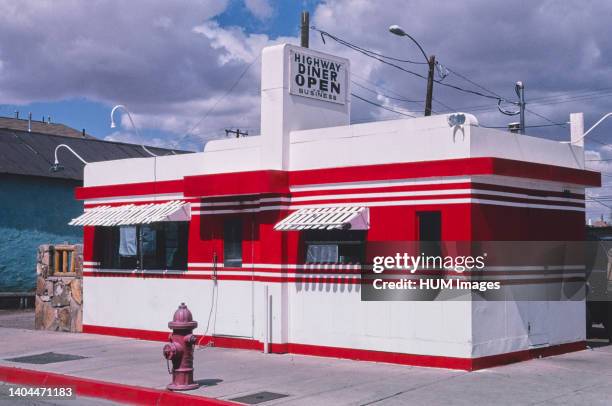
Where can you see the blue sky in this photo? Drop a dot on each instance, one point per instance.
(81, 112)
(172, 63)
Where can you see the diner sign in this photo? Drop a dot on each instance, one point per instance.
(317, 77)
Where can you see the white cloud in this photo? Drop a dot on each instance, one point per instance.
(259, 8)
(171, 62)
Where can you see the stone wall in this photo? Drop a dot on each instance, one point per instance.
(59, 296)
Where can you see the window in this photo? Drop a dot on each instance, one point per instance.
(430, 233)
(151, 246)
(334, 247)
(63, 262)
(232, 243)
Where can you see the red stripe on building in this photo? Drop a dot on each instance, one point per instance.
(445, 168)
(277, 182)
(129, 189)
(466, 364)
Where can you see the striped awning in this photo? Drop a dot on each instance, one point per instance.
(175, 210)
(326, 218)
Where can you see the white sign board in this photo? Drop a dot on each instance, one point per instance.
(317, 77)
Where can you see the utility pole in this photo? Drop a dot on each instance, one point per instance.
(304, 29)
(237, 132)
(430, 81)
(520, 92)
(430, 60)
(519, 88)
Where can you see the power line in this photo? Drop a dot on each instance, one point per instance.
(361, 49)
(372, 55)
(544, 117)
(595, 140)
(473, 83)
(561, 96)
(528, 126)
(501, 98)
(385, 95)
(550, 100)
(591, 198)
(394, 92)
(227, 92)
(381, 106)
(598, 160)
(381, 58)
(446, 106)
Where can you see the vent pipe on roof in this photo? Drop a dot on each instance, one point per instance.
(83, 133)
(30, 122)
(514, 128)
(49, 119)
(17, 114)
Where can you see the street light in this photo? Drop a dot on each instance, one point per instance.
(113, 125)
(56, 167)
(431, 61)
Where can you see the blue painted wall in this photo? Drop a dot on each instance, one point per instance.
(33, 211)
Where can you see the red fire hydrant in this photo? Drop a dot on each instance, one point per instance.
(180, 349)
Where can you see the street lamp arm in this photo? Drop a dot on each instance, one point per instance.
(418, 45)
(56, 162)
(589, 130)
(122, 107)
(399, 31)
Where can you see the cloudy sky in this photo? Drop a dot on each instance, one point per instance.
(173, 63)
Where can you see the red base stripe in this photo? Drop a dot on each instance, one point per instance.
(116, 392)
(466, 364)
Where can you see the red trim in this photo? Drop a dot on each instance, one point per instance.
(105, 390)
(440, 198)
(342, 278)
(526, 191)
(129, 189)
(358, 271)
(448, 167)
(136, 203)
(277, 182)
(237, 183)
(525, 355)
(438, 187)
(467, 364)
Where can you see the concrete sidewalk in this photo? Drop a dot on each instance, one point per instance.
(578, 378)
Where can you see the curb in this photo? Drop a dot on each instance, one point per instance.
(135, 395)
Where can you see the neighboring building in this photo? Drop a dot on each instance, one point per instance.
(35, 202)
(42, 127)
(268, 234)
(600, 223)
